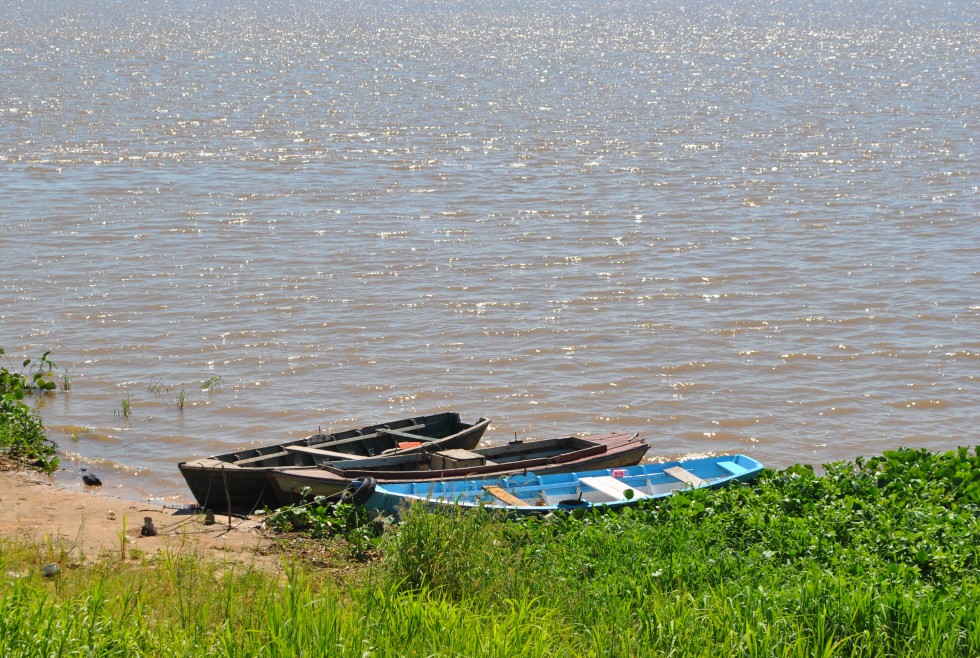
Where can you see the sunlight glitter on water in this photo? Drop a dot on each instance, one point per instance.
(751, 229)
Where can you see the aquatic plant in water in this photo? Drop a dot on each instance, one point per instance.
(22, 434)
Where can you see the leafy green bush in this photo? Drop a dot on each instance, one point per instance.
(22, 435)
(319, 519)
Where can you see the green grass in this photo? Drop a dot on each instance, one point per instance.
(875, 557)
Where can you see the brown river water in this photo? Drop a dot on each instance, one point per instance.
(728, 226)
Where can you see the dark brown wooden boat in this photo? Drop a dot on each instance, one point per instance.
(563, 455)
(239, 480)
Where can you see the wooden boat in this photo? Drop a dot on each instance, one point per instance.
(239, 480)
(530, 493)
(570, 453)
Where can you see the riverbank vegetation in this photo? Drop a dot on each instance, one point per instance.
(875, 557)
(22, 435)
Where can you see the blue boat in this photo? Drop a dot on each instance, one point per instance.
(527, 493)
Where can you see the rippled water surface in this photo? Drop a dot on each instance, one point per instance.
(729, 227)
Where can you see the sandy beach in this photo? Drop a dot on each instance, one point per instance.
(89, 525)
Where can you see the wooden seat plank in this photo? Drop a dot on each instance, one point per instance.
(505, 496)
(406, 435)
(320, 452)
(252, 460)
(611, 487)
(685, 476)
(371, 435)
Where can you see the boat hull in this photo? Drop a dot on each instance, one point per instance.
(239, 481)
(533, 494)
(562, 455)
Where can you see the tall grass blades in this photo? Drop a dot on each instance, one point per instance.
(453, 553)
(34, 623)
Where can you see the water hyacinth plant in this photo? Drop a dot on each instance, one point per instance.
(22, 435)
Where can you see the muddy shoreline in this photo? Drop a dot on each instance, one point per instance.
(89, 525)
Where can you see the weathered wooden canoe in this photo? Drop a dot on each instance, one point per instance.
(570, 453)
(530, 493)
(239, 480)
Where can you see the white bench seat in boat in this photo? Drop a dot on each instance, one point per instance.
(685, 476)
(611, 487)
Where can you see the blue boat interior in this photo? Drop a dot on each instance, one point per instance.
(567, 490)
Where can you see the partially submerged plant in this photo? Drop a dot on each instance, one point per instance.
(22, 434)
(127, 405)
(212, 383)
(171, 394)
